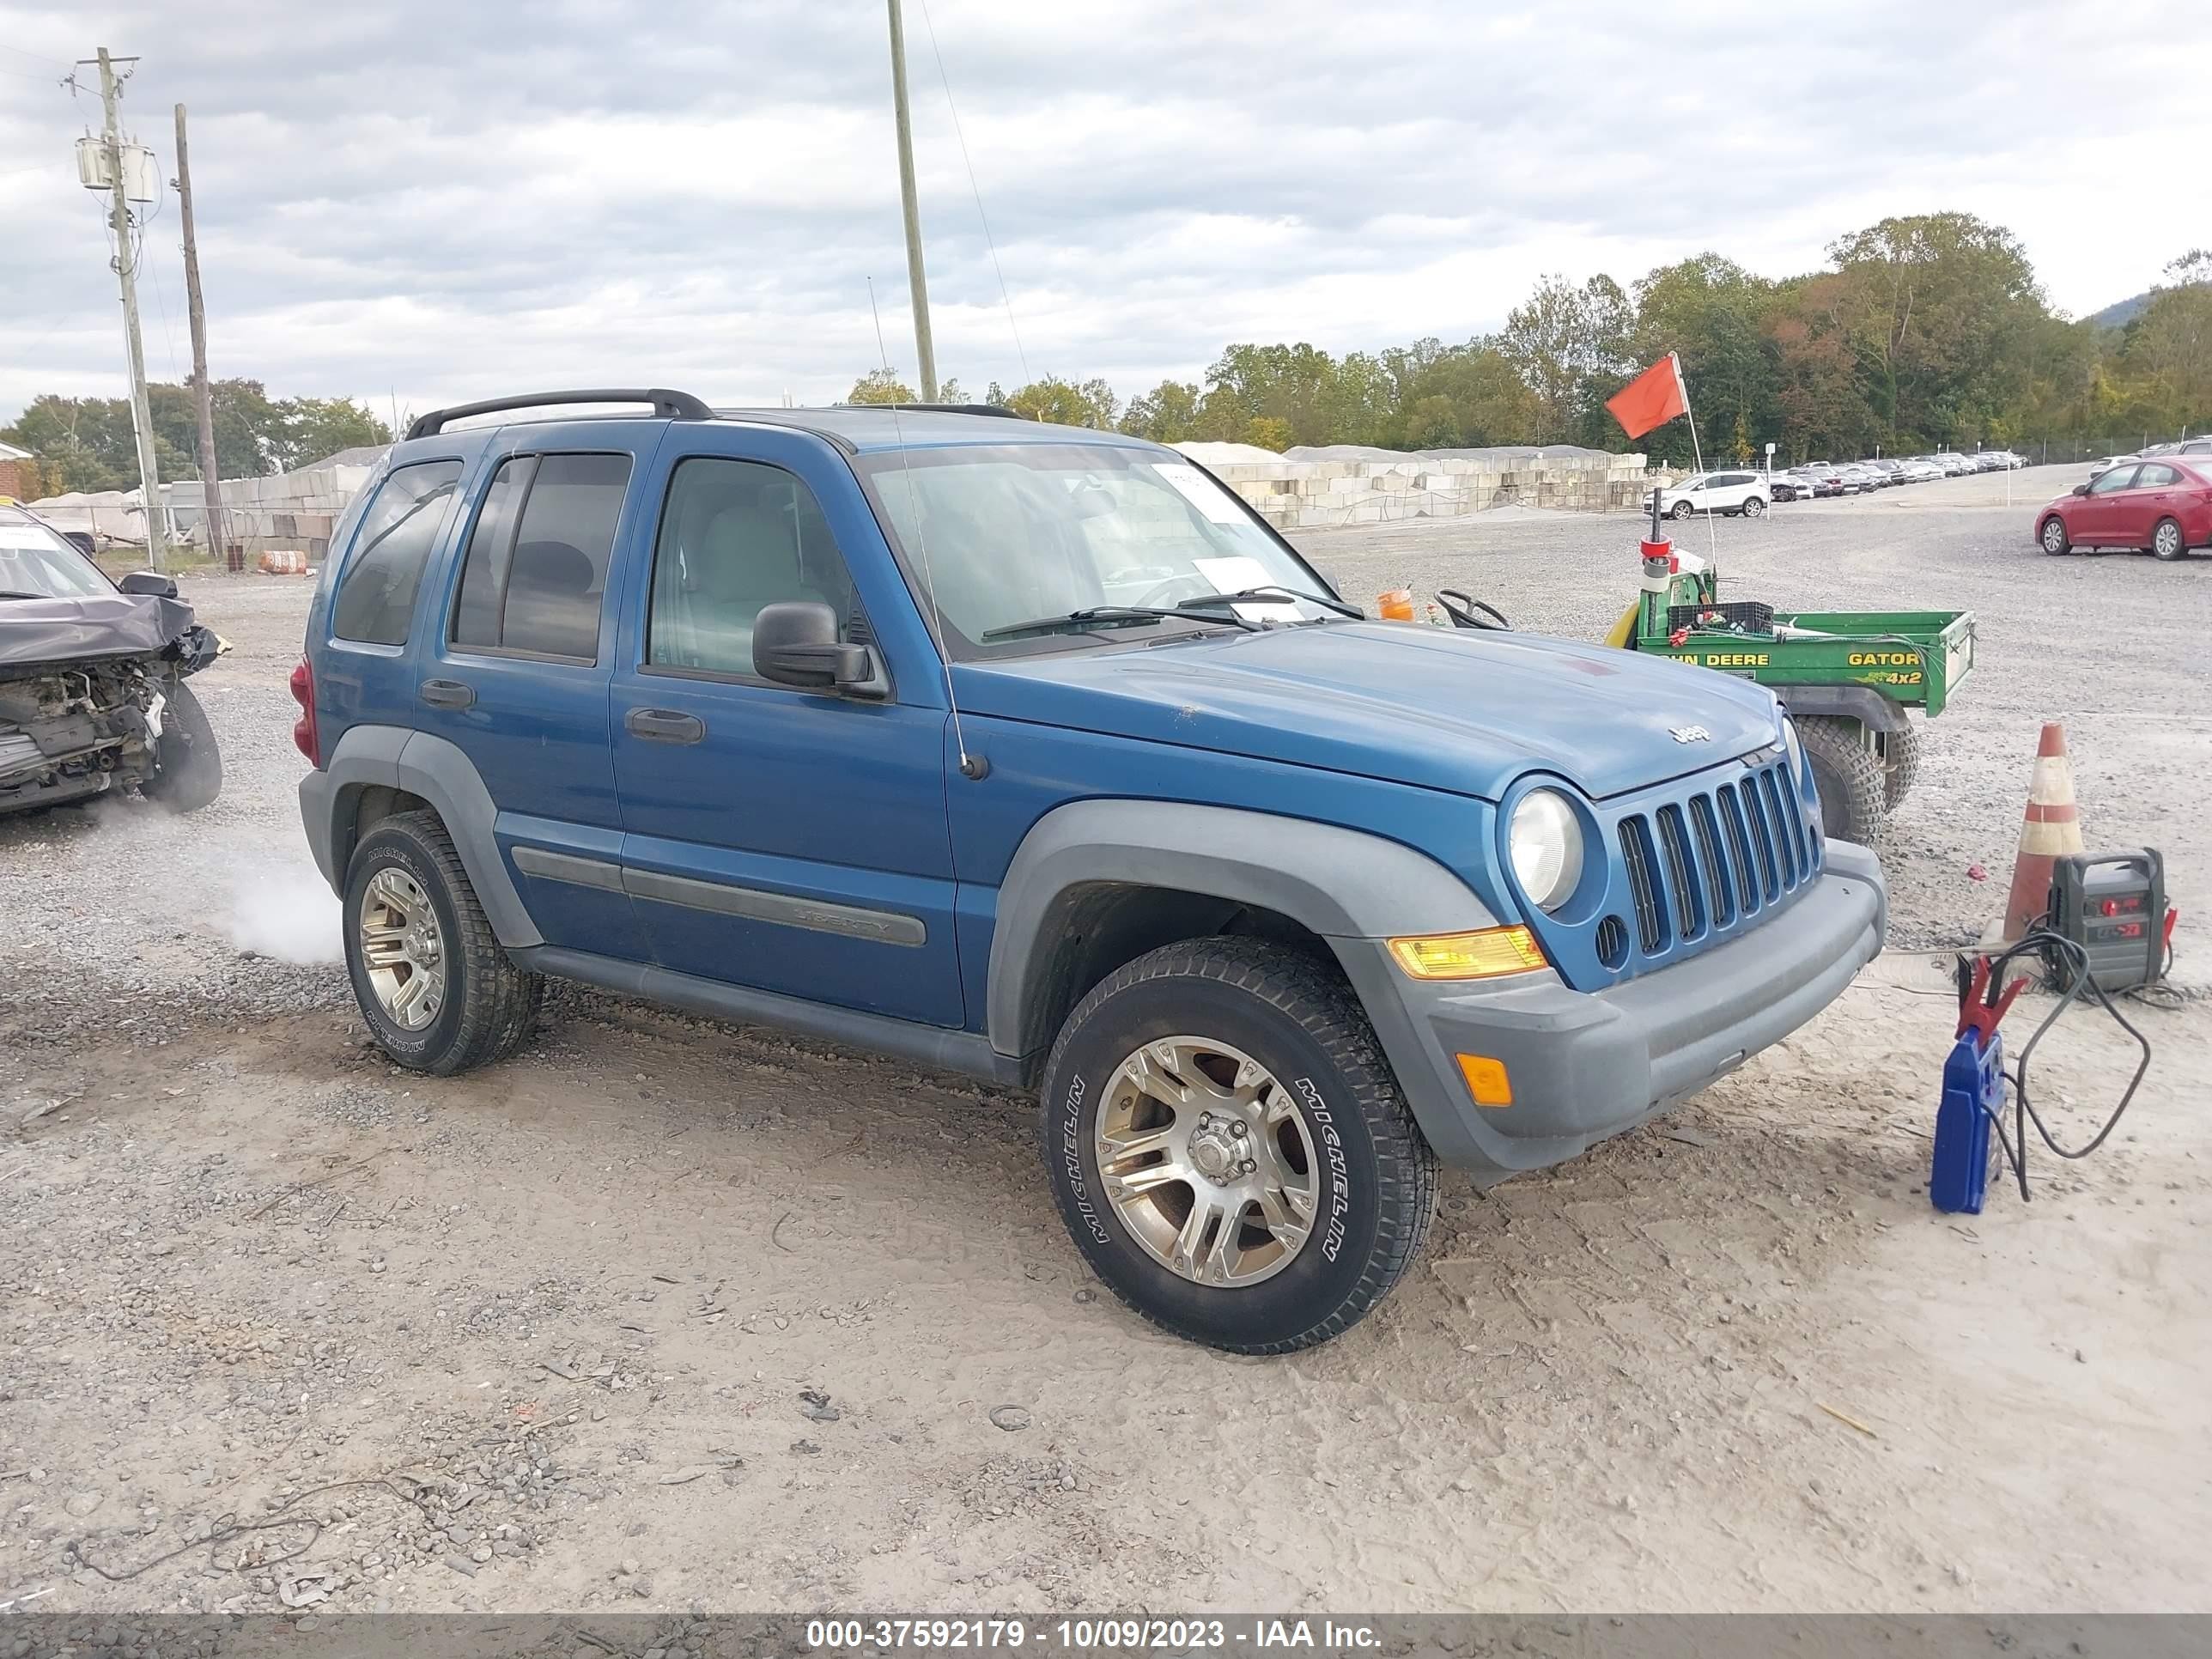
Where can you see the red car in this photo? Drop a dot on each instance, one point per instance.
(2163, 505)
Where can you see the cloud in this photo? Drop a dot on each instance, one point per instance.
(429, 202)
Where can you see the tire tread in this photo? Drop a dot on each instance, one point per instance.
(500, 1001)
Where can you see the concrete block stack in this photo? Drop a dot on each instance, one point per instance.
(1328, 495)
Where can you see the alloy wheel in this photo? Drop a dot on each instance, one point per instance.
(1208, 1161)
(403, 949)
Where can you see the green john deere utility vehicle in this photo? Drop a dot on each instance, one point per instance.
(1849, 678)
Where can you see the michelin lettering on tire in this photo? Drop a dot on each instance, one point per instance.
(1071, 1154)
(1340, 1207)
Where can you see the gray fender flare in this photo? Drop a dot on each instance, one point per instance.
(439, 772)
(1857, 703)
(1341, 883)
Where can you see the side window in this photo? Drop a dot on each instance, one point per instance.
(2156, 477)
(735, 536)
(376, 589)
(2118, 479)
(536, 573)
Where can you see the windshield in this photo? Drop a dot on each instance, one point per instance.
(1009, 533)
(35, 561)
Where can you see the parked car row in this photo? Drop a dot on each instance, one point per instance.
(2193, 447)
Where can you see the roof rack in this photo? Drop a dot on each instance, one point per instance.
(666, 405)
(1000, 410)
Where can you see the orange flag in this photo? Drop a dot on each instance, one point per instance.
(1652, 399)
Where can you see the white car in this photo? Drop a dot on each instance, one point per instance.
(2100, 469)
(1744, 493)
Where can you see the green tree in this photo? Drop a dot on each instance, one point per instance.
(305, 430)
(881, 386)
(1570, 343)
(1063, 403)
(1167, 414)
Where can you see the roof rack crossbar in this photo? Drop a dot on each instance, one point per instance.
(666, 405)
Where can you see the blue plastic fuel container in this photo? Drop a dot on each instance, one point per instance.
(1973, 1079)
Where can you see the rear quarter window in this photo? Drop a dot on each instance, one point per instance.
(377, 586)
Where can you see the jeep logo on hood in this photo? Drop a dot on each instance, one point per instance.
(1689, 734)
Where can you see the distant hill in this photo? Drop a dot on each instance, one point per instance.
(2119, 315)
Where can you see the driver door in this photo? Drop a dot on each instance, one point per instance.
(790, 841)
(2097, 521)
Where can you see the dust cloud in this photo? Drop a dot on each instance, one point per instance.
(286, 914)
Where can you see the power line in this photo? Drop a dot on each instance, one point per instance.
(975, 188)
(61, 63)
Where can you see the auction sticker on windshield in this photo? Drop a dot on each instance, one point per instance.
(1217, 504)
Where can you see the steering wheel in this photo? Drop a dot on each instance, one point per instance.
(1463, 610)
(1189, 586)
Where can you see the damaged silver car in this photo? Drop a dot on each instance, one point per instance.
(93, 696)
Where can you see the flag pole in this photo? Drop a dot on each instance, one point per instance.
(1697, 451)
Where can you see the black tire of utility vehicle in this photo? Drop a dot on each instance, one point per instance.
(2167, 543)
(187, 765)
(1849, 779)
(1900, 764)
(491, 1005)
(1295, 1016)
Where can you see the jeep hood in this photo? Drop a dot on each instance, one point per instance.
(1462, 710)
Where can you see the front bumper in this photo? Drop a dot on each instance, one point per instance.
(1588, 1065)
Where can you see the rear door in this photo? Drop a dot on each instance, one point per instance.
(2151, 497)
(789, 841)
(518, 673)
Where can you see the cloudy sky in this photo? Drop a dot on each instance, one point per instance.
(419, 202)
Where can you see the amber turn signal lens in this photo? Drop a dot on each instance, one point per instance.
(1486, 1079)
(1486, 953)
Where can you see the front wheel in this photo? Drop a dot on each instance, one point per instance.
(2166, 541)
(1754, 506)
(1229, 1150)
(187, 765)
(1682, 510)
(1848, 777)
(2055, 541)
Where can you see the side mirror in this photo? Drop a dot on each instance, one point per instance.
(148, 584)
(2081, 489)
(796, 643)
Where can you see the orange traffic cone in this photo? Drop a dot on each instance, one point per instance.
(2052, 829)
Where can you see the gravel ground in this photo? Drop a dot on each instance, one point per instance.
(666, 1314)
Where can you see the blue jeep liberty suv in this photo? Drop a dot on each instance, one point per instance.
(1032, 753)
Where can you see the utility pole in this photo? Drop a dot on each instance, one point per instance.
(915, 280)
(218, 533)
(119, 223)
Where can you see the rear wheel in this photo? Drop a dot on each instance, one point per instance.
(1228, 1148)
(434, 985)
(2054, 538)
(1754, 506)
(1849, 779)
(2166, 541)
(1900, 764)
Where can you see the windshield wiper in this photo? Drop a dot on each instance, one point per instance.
(1270, 595)
(10, 593)
(1111, 615)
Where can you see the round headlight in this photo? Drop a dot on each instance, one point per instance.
(1545, 841)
